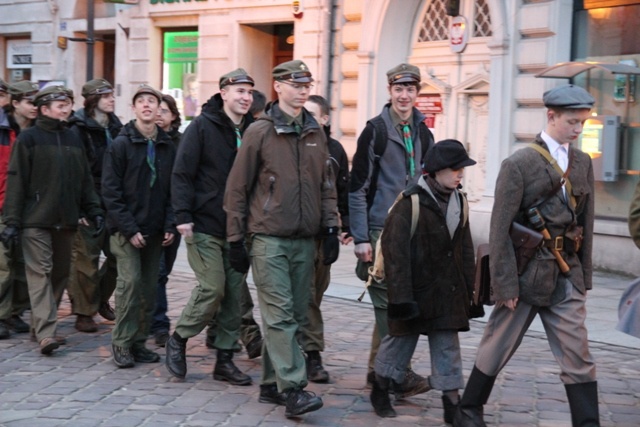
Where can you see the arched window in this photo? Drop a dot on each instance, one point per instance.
(435, 24)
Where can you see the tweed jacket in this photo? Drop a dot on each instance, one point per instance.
(525, 178)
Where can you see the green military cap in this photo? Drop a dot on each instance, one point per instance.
(3, 86)
(568, 96)
(236, 77)
(294, 71)
(145, 88)
(404, 73)
(53, 93)
(24, 88)
(96, 87)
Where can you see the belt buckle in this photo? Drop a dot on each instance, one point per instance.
(558, 243)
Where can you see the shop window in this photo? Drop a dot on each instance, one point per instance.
(481, 19)
(435, 24)
(19, 55)
(179, 78)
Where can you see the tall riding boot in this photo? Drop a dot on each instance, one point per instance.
(470, 411)
(380, 397)
(583, 402)
(225, 370)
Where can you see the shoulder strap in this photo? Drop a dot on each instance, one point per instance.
(564, 175)
(426, 139)
(465, 208)
(415, 213)
(379, 147)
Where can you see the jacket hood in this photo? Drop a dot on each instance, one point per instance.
(80, 118)
(131, 131)
(213, 110)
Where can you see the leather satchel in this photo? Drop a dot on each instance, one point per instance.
(525, 243)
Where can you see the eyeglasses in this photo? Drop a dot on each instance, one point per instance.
(299, 86)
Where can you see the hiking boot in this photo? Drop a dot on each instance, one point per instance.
(106, 311)
(449, 408)
(300, 402)
(413, 384)
(144, 355)
(85, 323)
(17, 324)
(380, 397)
(161, 338)
(269, 394)
(254, 348)
(47, 345)
(4, 330)
(176, 358)
(122, 357)
(225, 370)
(315, 371)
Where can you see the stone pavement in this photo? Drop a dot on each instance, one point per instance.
(80, 386)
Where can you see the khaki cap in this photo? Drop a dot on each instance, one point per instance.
(96, 87)
(294, 71)
(53, 93)
(404, 73)
(236, 77)
(145, 88)
(24, 88)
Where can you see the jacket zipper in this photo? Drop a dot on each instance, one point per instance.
(272, 182)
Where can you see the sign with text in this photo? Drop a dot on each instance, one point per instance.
(19, 53)
(429, 103)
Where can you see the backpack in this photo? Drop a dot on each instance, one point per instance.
(380, 145)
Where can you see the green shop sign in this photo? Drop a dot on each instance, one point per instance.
(181, 46)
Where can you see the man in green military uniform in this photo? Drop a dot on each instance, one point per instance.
(281, 192)
(206, 153)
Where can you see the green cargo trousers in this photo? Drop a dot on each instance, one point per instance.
(89, 283)
(14, 294)
(282, 270)
(217, 292)
(47, 257)
(135, 289)
(311, 332)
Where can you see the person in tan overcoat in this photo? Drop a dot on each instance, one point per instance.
(527, 179)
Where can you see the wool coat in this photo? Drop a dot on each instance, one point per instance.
(429, 276)
(524, 179)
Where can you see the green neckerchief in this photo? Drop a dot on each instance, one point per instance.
(294, 122)
(404, 127)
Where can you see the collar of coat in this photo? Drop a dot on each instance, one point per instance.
(280, 122)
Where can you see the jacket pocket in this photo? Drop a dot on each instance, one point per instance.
(267, 203)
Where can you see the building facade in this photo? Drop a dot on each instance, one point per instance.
(479, 70)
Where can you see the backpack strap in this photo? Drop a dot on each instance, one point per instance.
(379, 147)
(415, 213)
(564, 174)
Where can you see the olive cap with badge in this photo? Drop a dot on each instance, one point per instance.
(448, 153)
(96, 87)
(53, 93)
(404, 73)
(25, 89)
(4, 87)
(145, 88)
(236, 77)
(568, 96)
(294, 71)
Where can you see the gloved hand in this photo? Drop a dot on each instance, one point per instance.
(98, 220)
(9, 236)
(330, 246)
(238, 256)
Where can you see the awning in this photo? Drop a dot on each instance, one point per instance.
(567, 70)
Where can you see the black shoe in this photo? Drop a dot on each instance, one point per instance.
(380, 398)
(4, 330)
(300, 402)
(85, 323)
(17, 324)
(176, 358)
(144, 355)
(449, 408)
(122, 357)
(269, 394)
(470, 411)
(161, 338)
(315, 371)
(106, 311)
(254, 348)
(413, 384)
(225, 370)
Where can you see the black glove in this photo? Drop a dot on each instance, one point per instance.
(330, 246)
(9, 236)
(238, 257)
(98, 220)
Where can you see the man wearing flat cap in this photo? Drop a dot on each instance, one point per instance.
(546, 186)
(136, 180)
(281, 192)
(49, 187)
(388, 157)
(205, 155)
(91, 285)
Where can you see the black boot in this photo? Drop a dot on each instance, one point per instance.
(380, 397)
(583, 402)
(470, 412)
(449, 408)
(225, 370)
(315, 371)
(300, 402)
(176, 357)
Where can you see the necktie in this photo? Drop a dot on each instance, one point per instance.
(238, 137)
(151, 160)
(408, 145)
(297, 127)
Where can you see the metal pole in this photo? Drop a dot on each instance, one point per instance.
(90, 40)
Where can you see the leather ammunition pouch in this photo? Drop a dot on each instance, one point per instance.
(525, 243)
